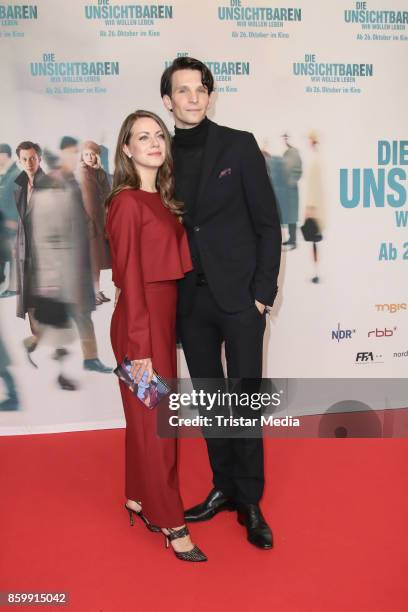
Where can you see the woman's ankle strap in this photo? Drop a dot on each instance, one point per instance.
(174, 534)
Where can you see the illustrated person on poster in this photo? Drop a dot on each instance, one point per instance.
(39, 275)
(235, 239)
(104, 157)
(84, 298)
(32, 245)
(276, 173)
(26, 184)
(9, 171)
(292, 166)
(315, 212)
(95, 189)
(11, 402)
(53, 271)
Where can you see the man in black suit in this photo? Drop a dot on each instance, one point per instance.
(235, 240)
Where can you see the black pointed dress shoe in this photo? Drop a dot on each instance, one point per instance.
(214, 503)
(259, 532)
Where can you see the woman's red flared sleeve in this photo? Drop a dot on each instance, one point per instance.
(124, 229)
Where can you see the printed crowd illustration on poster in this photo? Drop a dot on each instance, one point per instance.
(322, 85)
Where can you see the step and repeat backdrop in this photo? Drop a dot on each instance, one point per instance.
(323, 87)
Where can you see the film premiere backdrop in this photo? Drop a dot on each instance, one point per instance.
(322, 85)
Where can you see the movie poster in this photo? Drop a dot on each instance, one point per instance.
(322, 86)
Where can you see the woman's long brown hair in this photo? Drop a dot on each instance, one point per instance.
(127, 177)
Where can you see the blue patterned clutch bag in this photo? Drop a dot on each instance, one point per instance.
(150, 394)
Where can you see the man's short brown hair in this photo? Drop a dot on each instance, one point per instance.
(27, 144)
(186, 63)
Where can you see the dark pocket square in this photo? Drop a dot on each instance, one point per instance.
(225, 172)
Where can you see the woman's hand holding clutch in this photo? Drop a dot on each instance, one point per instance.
(139, 367)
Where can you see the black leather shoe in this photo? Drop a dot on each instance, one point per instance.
(214, 503)
(259, 532)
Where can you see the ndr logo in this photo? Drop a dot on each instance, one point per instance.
(341, 334)
(367, 357)
(381, 333)
(390, 307)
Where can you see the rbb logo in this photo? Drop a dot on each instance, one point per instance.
(342, 334)
(390, 307)
(381, 333)
(365, 356)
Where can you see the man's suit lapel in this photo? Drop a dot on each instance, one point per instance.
(21, 200)
(21, 192)
(211, 153)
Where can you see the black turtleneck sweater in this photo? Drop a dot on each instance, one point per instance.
(188, 149)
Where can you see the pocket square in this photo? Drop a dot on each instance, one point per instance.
(225, 172)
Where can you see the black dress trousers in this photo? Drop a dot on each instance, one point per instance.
(236, 461)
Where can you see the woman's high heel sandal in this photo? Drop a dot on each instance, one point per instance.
(195, 554)
(140, 514)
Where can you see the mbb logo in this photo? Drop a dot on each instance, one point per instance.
(381, 333)
(365, 356)
(390, 307)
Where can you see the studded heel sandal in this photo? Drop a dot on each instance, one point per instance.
(194, 555)
(142, 517)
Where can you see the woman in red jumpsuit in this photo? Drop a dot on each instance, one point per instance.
(150, 252)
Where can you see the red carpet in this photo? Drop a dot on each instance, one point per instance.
(338, 508)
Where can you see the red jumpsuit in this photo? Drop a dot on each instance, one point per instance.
(149, 251)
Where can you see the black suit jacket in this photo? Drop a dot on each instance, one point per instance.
(235, 224)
